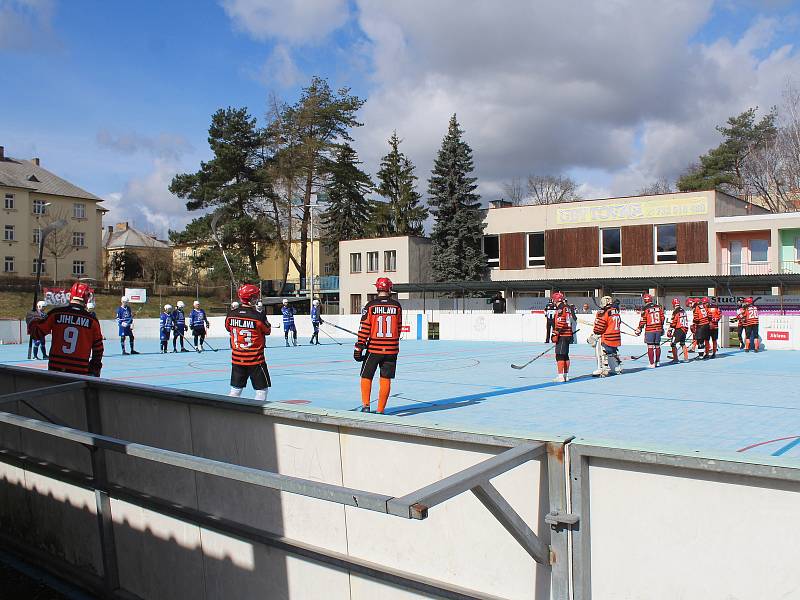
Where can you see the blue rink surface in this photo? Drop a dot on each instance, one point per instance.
(744, 404)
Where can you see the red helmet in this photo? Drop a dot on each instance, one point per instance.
(80, 291)
(557, 297)
(384, 284)
(748, 300)
(248, 293)
(676, 302)
(705, 300)
(648, 299)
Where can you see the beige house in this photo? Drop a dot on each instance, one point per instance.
(154, 256)
(402, 259)
(33, 197)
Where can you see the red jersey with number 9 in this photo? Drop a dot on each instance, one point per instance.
(248, 331)
(379, 332)
(77, 342)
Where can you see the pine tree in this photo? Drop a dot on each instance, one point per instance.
(457, 233)
(348, 212)
(398, 184)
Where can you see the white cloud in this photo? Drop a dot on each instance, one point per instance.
(279, 68)
(25, 24)
(296, 21)
(163, 145)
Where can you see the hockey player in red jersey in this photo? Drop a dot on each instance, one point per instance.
(607, 328)
(701, 328)
(652, 322)
(378, 343)
(751, 341)
(678, 328)
(248, 331)
(714, 317)
(77, 342)
(562, 335)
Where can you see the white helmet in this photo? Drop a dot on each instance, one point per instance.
(167, 307)
(196, 303)
(315, 303)
(234, 305)
(181, 304)
(41, 304)
(90, 306)
(285, 301)
(606, 300)
(124, 300)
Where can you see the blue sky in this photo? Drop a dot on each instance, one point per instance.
(117, 97)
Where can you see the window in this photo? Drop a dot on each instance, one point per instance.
(390, 260)
(329, 269)
(8, 264)
(666, 244)
(8, 233)
(78, 239)
(491, 248)
(536, 249)
(611, 246)
(355, 303)
(759, 251)
(371, 297)
(372, 262)
(39, 207)
(9, 202)
(44, 265)
(36, 235)
(355, 262)
(79, 267)
(797, 249)
(78, 210)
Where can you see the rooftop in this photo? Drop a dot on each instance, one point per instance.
(124, 236)
(30, 175)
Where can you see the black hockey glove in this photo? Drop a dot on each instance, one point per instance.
(358, 354)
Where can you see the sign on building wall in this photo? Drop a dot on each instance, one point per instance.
(136, 295)
(633, 211)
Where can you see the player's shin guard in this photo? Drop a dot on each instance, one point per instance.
(658, 354)
(685, 353)
(651, 355)
(714, 347)
(366, 392)
(261, 395)
(383, 393)
(235, 392)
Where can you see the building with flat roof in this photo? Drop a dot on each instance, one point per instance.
(34, 197)
(402, 259)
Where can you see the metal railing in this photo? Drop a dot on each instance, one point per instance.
(414, 505)
(745, 268)
(790, 266)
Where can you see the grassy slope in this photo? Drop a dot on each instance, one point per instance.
(14, 305)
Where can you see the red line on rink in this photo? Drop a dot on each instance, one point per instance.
(790, 437)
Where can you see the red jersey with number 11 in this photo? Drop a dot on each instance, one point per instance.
(379, 332)
(248, 331)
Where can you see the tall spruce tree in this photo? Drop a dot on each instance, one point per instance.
(348, 211)
(457, 249)
(398, 184)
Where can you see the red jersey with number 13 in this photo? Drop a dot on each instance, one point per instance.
(379, 332)
(248, 331)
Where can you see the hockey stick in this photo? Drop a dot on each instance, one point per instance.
(330, 336)
(538, 356)
(342, 328)
(214, 221)
(645, 353)
(210, 347)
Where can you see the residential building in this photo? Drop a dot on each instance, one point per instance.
(183, 269)
(402, 259)
(33, 198)
(150, 258)
(325, 270)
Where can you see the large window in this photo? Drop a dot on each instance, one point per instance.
(79, 267)
(491, 248)
(44, 265)
(666, 244)
(610, 246)
(9, 202)
(390, 260)
(8, 264)
(759, 251)
(536, 249)
(36, 235)
(372, 262)
(79, 210)
(78, 239)
(39, 207)
(355, 263)
(8, 233)
(355, 304)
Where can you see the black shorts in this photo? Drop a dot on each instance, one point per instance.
(679, 337)
(702, 333)
(562, 345)
(387, 363)
(257, 374)
(751, 331)
(199, 330)
(713, 334)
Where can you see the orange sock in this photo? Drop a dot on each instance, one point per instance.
(685, 353)
(383, 393)
(366, 391)
(757, 343)
(566, 367)
(714, 346)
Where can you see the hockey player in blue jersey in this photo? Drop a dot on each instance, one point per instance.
(179, 326)
(288, 322)
(316, 321)
(165, 326)
(125, 323)
(198, 321)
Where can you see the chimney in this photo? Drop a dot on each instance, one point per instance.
(110, 229)
(35, 161)
(2, 153)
